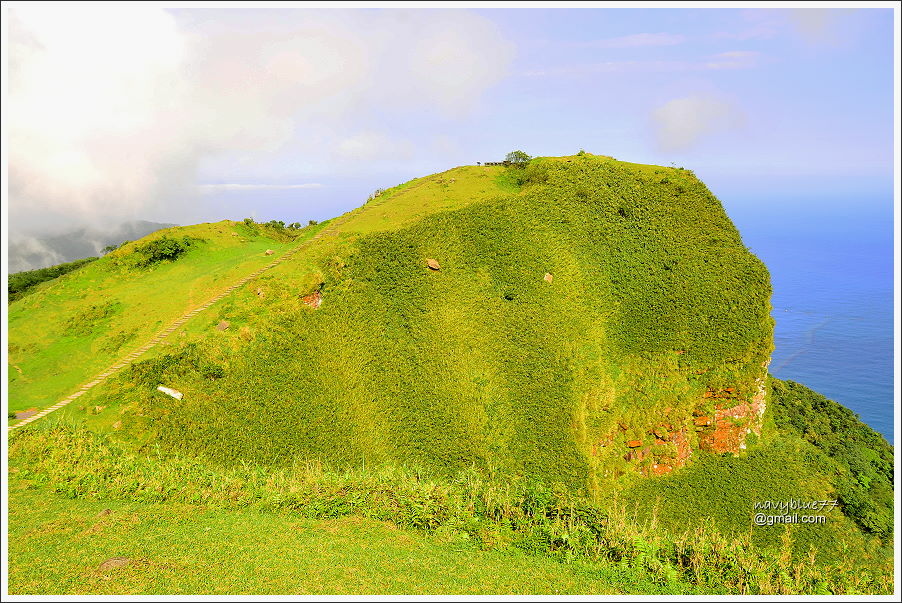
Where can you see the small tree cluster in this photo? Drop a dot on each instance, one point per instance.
(517, 158)
(375, 194)
(111, 248)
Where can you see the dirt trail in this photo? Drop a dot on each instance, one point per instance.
(125, 361)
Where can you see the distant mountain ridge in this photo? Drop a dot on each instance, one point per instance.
(31, 253)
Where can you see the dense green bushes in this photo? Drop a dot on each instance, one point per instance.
(863, 457)
(154, 371)
(21, 283)
(162, 249)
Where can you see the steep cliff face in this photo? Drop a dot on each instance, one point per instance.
(724, 430)
(584, 318)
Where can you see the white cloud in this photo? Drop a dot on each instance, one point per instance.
(112, 109)
(637, 40)
(818, 25)
(370, 146)
(682, 123)
(212, 188)
(733, 59)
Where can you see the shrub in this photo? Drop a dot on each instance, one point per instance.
(163, 249)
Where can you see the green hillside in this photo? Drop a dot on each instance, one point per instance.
(70, 328)
(512, 356)
(653, 301)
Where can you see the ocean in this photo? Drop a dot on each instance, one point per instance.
(831, 269)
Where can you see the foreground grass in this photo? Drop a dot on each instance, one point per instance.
(56, 547)
(470, 512)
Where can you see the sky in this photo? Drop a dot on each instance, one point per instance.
(134, 111)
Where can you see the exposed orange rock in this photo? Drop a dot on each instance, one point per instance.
(433, 264)
(313, 299)
(723, 429)
(733, 424)
(661, 469)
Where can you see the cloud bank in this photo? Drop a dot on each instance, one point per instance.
(210, 188)
(681, 124)
(638, 40)
(112, 110)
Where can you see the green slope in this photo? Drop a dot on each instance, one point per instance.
(71, 328)
(483, 363)
(485, 367)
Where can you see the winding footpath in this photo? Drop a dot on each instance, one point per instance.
(100, 378)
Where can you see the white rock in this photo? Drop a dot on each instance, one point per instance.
(175, 394)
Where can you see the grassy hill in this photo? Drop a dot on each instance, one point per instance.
(511, 354)
(70, 328)
(653, 300)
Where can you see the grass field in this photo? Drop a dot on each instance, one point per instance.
(58, 544)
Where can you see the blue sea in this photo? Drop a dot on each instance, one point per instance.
(831, 267)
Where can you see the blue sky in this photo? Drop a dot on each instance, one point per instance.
(187, 115)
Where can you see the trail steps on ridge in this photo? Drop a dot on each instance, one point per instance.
(159, 337)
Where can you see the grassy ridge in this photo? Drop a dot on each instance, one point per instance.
(653, 299)
(57, 546)
(75, 326)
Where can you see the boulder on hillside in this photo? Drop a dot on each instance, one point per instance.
(433, 264)
(313, 299)
(170, 392)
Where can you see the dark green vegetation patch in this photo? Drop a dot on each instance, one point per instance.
(22, 283)
(163, 249)
(861, 460)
